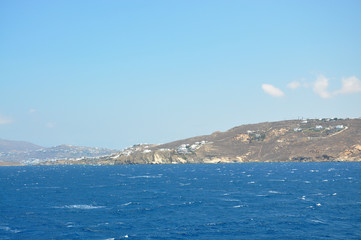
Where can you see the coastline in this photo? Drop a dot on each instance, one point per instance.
(15, 164)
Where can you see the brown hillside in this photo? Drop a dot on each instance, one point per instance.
(292, 140)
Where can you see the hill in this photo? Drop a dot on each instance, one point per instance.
(17, 146)
(284, 141)
(27, 153)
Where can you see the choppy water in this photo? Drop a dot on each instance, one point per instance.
(210, 201)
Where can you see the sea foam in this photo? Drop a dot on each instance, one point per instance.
(82, 206)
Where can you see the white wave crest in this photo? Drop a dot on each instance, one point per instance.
(274, 192)
(146, 176)
(126, 204)
(8, 229)
(82, 206)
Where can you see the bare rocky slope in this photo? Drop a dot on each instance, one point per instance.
(284, 141)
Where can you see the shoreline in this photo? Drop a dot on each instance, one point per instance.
(17, 164)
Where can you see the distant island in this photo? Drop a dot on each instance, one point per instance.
(305, 140)
(14, 153)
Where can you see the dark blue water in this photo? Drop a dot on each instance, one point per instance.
(223, 201)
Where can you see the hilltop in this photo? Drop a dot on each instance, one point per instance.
(17, 146)
(329, 139)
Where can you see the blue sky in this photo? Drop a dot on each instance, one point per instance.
(116, 73)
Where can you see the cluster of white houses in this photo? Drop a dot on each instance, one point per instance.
(187, 148)
(320, 127)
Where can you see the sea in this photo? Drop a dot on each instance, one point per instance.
(189, 201)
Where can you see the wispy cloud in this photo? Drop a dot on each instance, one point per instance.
(31, 111)
(320, 87)
(350, 85)
(50, 124)
(271, 90)
(294, 85)
(5, 120)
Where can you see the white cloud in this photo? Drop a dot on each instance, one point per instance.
(5, 120)
(320, 87)
(294, 85)
(350, 85)
(31, 111)
(271, 90)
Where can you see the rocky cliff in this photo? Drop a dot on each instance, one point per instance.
(292, 140)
